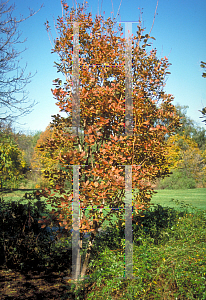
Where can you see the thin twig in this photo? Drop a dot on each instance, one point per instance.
(76, 6)
(62, 9)
(118, 9)
(154, 17)
(101, 8)
(112, 8)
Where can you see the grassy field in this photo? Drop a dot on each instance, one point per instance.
(194, 197)
(18, 194)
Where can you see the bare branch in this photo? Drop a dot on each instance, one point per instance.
(119, 8)
(101, 7)
(154, 17)
(112, 8)
(12, 85)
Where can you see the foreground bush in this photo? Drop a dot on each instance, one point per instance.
(23, 243)
(172, 268)
(169, 253)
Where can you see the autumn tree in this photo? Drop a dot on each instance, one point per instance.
(104, 147)
(186, 162)
(12, 162)
(41, 160)
(27, 143)
(46, 158)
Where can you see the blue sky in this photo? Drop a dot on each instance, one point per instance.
(179, 30)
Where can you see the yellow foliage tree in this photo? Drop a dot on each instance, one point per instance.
(44, 159)
(12, 162)
(204, 167)
(184, 155)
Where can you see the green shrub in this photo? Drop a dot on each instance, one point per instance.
(154, 224)
(177, 180)
(172, 269)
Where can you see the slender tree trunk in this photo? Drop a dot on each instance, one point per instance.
(88, 254)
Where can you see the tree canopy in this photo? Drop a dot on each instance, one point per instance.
(103, 90)
(12, 162)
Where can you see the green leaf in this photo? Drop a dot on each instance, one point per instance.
(87, 213)
(105, 212)
(113, 219)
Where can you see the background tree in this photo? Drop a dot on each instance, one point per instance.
(186, 149)
(189, 127)
(11, 86)
(102, 57)
(27, 143)
(44, 159)
(186, 162)
(12, 162)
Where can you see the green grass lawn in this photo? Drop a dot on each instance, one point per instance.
(194, 197)
(16, 194)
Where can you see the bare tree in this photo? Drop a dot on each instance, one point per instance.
(13, 97)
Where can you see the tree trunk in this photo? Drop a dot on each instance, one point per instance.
(89, 249)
